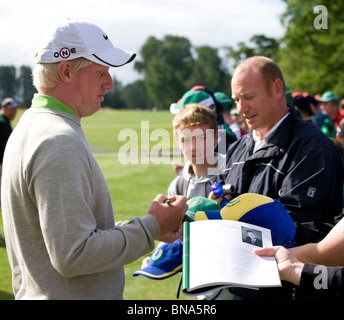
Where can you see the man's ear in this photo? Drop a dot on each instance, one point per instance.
(277, 88)
(65, 73)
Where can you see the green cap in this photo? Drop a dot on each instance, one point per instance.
(226, 101)
(200, 204)
(329, 96)
(197, 96)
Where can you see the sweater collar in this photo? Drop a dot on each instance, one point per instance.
(46, 102)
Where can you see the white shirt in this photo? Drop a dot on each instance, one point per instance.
(259, 144)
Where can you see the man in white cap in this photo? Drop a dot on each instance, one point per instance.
(62, 240)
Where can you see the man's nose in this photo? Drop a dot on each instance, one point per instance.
(242, 106)
(108, 82)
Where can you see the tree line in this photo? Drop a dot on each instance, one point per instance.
(310, 56)
(169, 66)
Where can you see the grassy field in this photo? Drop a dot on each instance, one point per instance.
(132, 188)
(104, 128)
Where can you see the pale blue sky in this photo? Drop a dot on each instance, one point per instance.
(129, 23)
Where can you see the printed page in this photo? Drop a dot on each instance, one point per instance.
(221, 252)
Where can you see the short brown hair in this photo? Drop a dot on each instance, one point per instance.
(194, 114)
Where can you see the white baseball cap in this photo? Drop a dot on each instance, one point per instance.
(72, 40)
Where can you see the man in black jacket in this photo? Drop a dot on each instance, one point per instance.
(7, 114)
(283, 157)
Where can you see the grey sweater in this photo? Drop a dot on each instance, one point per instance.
(62, 240)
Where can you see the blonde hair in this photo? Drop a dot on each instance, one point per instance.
(194, 114)
(46, 75)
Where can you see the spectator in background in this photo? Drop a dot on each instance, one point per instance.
(238, 119)
(329, 104)
(321, 120)
(302, 106)
(230, 122)
(340, 130)
(8, 112)
(307, 107)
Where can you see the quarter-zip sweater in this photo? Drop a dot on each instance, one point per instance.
(61, 235)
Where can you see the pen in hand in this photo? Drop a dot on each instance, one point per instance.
(188, 217)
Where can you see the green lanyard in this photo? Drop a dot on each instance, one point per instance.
(46, 102)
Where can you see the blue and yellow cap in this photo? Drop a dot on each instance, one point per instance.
(166, 261)
(258, 210)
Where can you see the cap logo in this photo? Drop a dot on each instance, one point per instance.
(234, 202)
(64, 53)
(157, 255)
(194, 202)
(105, 36)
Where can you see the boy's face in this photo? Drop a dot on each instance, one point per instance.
(197, 144)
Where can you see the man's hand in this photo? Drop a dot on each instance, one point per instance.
(170, 216)
(212, 196)
(289, 267)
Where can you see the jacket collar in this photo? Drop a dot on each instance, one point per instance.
(281, 136)
(283, 133)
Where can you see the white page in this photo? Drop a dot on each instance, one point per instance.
(218, 254)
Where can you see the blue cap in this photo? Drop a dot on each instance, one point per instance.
(9, 103)
(165, 262)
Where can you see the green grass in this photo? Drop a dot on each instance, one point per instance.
(132, 188)
(104, 128)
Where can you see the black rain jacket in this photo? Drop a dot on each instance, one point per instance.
(300, 167)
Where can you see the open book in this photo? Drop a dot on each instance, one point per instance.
(219, 253)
